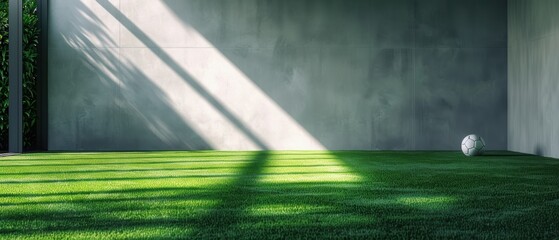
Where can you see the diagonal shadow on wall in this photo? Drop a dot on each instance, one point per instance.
(315, 60)
(365, 74)
(104, 70)
(98, 87)
(169, 61)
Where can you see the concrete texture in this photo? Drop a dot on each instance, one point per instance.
(533, 59)
(276, 74)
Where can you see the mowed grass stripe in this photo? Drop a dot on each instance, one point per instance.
(274, 194)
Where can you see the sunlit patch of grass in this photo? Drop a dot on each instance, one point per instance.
(277, 194)
(312, 167)
(131, 233)
(285, 209)
(162, 210)
(305, 169)
(428, 202)
(312, 178)
(91, 187)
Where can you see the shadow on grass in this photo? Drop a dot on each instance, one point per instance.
(503, 154)
(235, 199)
(236, 213)
(117, 157)
(385, 203)
(234, 204)
(79, 156)
(124, 155)
(196, 176)
(233, 196)
(122, 191)
(118, 171)
(154, 170)
(120, 163)
(109, 201)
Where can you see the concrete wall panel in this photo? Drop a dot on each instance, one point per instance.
(83, 24)
(459, 92)
(277, 74)
(461, 24)
(533, 60)
(82, 109)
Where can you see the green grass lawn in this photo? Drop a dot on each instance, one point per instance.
(259, 195)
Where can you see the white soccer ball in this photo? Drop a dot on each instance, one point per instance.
(472, 145)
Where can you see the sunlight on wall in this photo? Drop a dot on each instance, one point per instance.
(274, 126)
(140, 77)
(185, 101)
(234, 93)
(240, 96)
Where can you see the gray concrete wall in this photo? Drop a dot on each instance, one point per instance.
(534, 76)
(276, 74)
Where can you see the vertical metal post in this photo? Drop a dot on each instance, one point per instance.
(15, 19)
(42, 84)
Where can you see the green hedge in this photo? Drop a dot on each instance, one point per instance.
(30, 52)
